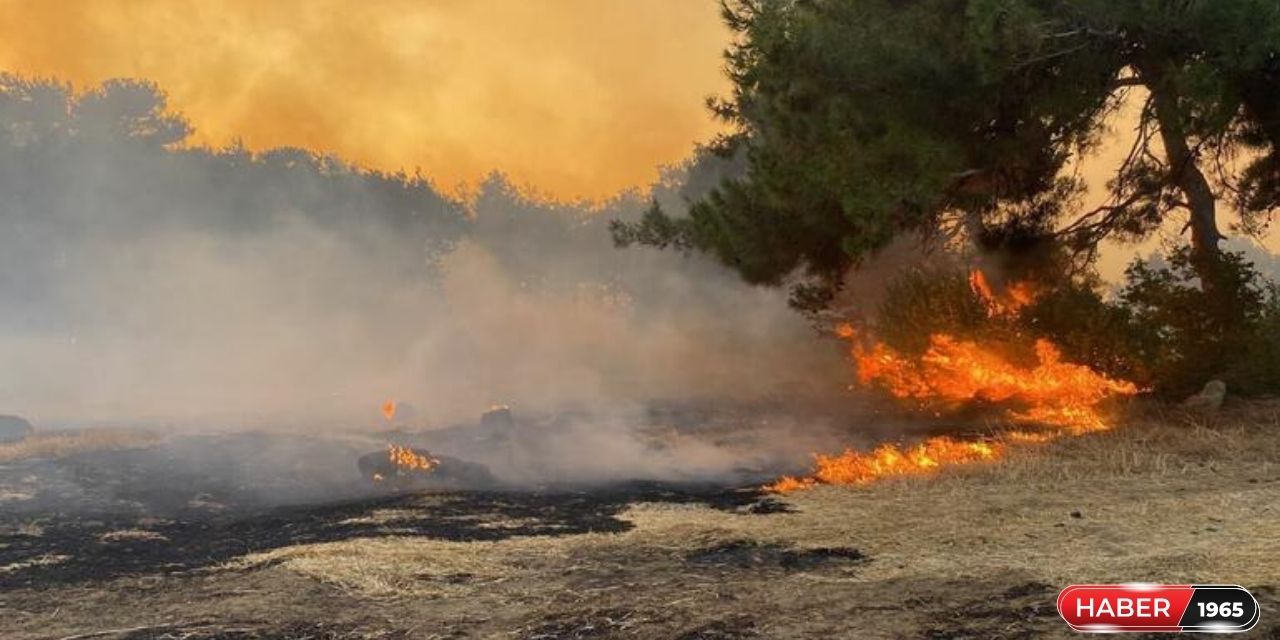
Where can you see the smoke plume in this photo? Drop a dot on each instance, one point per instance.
(145, 282)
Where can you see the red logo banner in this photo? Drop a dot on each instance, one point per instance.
(1113, 608)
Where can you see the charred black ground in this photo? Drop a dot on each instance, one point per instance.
(236, 496)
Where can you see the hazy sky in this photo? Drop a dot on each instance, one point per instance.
(573, 97)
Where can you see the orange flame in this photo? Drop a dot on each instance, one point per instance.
(855, 468)
(407, 459)
(951, 372)
(389, 410)
(1055, 393)
(1010, 301)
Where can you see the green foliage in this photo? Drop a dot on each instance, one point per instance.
(653, 229)
(862, 119)
(1188, 341)
(1260, 370)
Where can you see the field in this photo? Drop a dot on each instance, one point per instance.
(975, 552)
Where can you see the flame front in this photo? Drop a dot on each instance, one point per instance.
(1059, 398)
(857, 468)
(953, 371)
(406, 459)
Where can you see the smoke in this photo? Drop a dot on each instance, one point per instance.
(147, 284)
(192, 326)
(290, 322)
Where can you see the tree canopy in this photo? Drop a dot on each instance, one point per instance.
(864, 119)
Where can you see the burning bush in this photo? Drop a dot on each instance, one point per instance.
(1159, 332)
(973, 351)
(1049, 358)
(946, 340)
(1091, 331)
(928, 302)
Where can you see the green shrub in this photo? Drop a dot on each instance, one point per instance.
(1232, 338)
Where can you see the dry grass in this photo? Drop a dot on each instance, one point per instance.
(418, 567)
(59, 445)
(132, 535)
(1191, 502)
(1167, 498)
(38, 561)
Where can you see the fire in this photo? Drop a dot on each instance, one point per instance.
(406, 459)
(1010, 301)
(953, 371)
(1058, 398)
(856, 468)
(389, 410)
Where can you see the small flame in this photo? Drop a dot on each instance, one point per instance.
(407, 459)
(1010, 301)
(389, 410)
(857, 468)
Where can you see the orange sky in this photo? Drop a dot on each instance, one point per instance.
(573, 97)
(1099, 168)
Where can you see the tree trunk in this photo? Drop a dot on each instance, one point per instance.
(1186, 174)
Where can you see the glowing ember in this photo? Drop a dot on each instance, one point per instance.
(952, 373)
(389, 410)
(407, 459)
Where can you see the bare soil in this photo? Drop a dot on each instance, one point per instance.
(158, 540)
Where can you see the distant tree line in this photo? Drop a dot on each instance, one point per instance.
(114, 162)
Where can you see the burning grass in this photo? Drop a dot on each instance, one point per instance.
(1058, 399)
(889, 460)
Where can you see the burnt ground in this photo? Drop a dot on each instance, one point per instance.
(166, 517)
(217, 538)
(220, 497)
